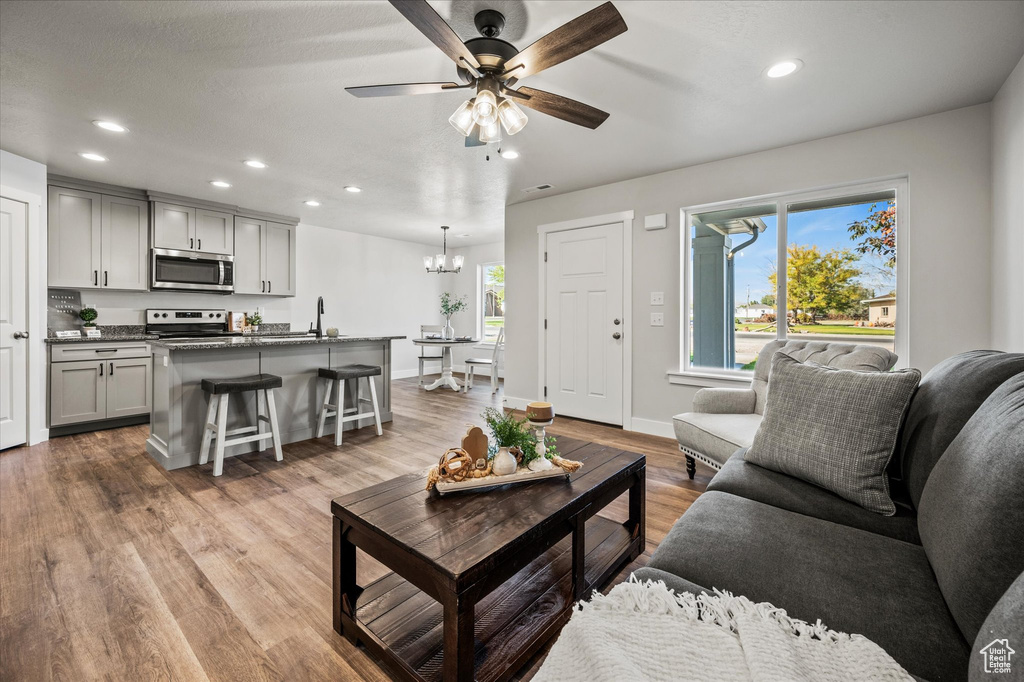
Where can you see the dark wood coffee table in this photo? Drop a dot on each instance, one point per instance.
(481, 580)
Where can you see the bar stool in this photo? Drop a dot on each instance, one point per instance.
(217, 416)
(338, 377)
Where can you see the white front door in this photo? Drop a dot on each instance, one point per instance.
(13, 320)
(584, 318)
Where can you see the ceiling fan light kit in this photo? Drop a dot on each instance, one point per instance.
(493, 66)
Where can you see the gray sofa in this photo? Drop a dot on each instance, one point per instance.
(724, 419)
(928, 584)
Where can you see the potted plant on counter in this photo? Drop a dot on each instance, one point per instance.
(88, 316)
(255, 320)
(449, 306)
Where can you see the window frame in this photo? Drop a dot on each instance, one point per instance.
(707, 376)
(480, 300)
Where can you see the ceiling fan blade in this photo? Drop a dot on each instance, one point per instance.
(576, 37)
(430, 24)
(401, 89)
(562, 107)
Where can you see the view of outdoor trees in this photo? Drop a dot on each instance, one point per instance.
(493, 300)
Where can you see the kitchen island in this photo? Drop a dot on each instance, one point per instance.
(179, 404)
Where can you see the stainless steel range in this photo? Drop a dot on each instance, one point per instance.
(187, 324)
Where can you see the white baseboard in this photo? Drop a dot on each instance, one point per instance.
(653, 428)
(39, 436)
(404, 373)
(516, 403)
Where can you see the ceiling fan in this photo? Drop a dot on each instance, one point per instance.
(491, 66)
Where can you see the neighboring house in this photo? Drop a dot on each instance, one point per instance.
(493, 304)
(754, 311)
(881, 310)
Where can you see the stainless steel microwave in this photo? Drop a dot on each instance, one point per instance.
(192, 271)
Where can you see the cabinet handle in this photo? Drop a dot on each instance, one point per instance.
(270, 286)
(111, 369)
(101, 369)
(191, 243)
(104, 278)
(200, 244)
(95, 277)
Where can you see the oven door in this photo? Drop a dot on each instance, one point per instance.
(192, 271)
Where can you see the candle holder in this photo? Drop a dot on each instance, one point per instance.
(540, 416)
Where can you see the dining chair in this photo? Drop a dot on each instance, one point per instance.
(492, 362)
(427, 330)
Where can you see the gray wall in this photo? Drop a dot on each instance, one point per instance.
(947, 158)
(1008, 213)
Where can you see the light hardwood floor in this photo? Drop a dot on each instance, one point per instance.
(112, 568)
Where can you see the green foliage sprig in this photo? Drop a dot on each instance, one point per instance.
(88, 315)
(510, 432)
(452, 304)
(255, 319)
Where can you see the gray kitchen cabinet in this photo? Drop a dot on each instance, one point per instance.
(279, 249)
(128, 387)
(73, 249)
(215, 232)
(96, 241)
(248, 266)
(78, 392)
(124, 244)
(91, 382)
(264, 257)
(174, 227)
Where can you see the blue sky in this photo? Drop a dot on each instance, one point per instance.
(825, 228)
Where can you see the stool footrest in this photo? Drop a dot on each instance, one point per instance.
(248, 439)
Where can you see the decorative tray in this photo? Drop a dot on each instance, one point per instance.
(491, 481)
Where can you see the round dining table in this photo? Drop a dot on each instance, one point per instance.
(446, 346)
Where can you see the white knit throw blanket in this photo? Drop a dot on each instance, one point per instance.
(644, 631)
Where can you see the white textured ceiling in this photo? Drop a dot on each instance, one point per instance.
(204, 85)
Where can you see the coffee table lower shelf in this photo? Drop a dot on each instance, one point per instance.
(403, 626)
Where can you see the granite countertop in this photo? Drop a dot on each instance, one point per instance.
(137, 332)
(262, 341)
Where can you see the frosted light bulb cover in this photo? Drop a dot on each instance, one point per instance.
(457, 262)
(485, 108)
(512, 116)
(462, 119)
(428, 262)
(491, 133)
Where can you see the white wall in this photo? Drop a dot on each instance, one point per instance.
(370, 285)
(24, 175)
(947, 158)
(1008, 213)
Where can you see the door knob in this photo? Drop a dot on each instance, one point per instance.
(616, 321)
(616, 336)
(21, 335)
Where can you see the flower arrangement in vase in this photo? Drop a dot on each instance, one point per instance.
(449, 306)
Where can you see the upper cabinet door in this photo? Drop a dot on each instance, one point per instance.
(280, 259)
(248, 266)
(215, 232)
(174, 227)
(125, 244)
(73, 252)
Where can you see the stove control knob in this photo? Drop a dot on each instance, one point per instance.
(164, 315)
(218, 314)
(211, 314)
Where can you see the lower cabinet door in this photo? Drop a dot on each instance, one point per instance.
(78, 392)
(129, 387)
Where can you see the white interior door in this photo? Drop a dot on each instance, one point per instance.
(13, 321)
(584, 317)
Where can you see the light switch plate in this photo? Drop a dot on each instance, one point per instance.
(657, 298)
(658, 221)
(657, 319)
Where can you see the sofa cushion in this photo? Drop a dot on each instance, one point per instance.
(854, 581)
(972, 508)
(671, 580)
(840, 355)
(753, 482)
(1005, 621)
(716, 436)
(948, 395)
(835, 428)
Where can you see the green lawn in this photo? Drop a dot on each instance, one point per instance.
(835, 328)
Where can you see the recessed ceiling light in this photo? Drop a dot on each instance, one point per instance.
(220, 183)
(510, 154)
(784, 68)
(352, 188)
(253, 163)
(111, 126)
(91, 156)
(465, 235)
(312, 202)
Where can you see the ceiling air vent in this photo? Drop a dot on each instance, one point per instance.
(538, 188)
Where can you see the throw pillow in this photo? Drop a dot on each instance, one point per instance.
(835, 428)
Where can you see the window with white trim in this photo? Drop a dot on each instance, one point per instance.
(837, 254)
(491, 307)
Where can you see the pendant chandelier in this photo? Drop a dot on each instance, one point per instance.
(439, 262)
